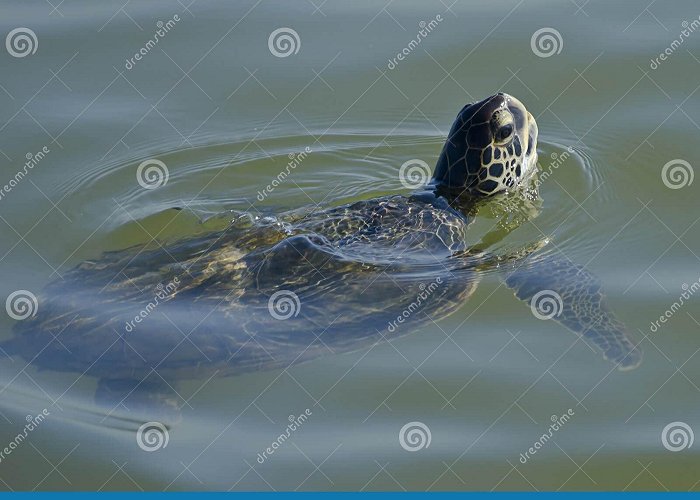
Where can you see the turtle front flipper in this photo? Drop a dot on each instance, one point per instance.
(557, 289)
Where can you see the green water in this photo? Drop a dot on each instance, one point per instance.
(223, 113)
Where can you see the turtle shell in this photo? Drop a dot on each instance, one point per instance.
(268, 293)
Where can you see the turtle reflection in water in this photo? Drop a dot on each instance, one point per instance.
(266, 293)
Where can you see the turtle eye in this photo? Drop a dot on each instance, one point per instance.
(504, 133)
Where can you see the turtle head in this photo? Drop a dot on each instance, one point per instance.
(491, 147)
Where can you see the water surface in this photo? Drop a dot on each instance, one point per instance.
(223, 113)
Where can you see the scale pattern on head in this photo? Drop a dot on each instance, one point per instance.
(491, 147)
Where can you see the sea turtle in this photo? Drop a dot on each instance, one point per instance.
(268, 292)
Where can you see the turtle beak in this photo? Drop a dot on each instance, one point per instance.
(531, 151)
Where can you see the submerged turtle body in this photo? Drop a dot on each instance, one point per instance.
(225, 304)
(270, 292)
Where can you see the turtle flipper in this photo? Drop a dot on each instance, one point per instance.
(558, 289)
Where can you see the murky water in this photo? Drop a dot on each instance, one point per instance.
(213, 103)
